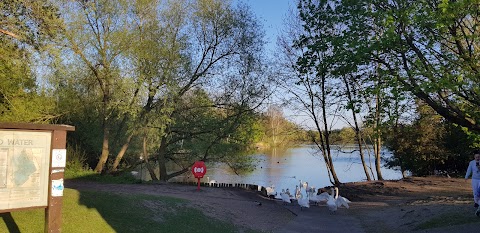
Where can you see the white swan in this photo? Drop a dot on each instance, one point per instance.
(285, 197)
(298, 192)
(334, 200)
(303, 202)
(210, 182)
(271, 191)
(323, 196)
(310, 190)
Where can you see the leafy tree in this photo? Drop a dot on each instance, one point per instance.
(26, 28)
(311, 86)
(429, 47)
(430, 145)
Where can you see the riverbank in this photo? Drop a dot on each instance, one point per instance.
(431, 204)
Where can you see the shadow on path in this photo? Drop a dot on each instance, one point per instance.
(320, 219)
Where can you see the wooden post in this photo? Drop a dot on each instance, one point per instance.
(53, 212)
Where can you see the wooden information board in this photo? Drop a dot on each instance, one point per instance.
(32, 166)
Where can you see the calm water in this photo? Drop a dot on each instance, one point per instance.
(284, 169)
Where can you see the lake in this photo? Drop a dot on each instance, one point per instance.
(285, 168)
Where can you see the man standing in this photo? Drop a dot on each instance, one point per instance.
(474, 170)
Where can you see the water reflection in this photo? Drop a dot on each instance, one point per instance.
(285, 168)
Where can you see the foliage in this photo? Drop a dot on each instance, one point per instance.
(177, 94)
(430, 145)
(26, 29)
(279, 132)
(427, 47)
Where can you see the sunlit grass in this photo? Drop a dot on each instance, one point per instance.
(91, 211)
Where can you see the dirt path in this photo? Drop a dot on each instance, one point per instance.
(239, 207)
(387, 206)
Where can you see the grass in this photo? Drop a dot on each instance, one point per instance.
(450, 219)
(92, 211)
(119, 178)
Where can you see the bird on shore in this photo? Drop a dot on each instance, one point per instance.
(335, 200)
(285, 197)
(297, 192)
(271, 191)
(303, 202)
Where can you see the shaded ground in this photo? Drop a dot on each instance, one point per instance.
(410, 204)
(387, 206)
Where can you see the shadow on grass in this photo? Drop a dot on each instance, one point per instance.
(133, 212)
(146, 213)
(10, 222)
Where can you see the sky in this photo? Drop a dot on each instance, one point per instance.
(272, 14)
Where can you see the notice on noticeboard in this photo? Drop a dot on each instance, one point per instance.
(24, 168)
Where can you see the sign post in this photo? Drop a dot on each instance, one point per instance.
(199, 169)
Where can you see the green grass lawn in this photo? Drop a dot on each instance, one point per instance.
(90, 211)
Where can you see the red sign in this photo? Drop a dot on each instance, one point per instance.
(199, 169)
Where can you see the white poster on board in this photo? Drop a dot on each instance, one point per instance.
(59, 157)
(57, 188)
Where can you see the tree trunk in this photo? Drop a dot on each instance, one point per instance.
(105, 151)
(327, 133)
(358, 135)
(378, 139)
(162, 160)
(122, 152)
(151, 171)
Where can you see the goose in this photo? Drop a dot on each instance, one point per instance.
(303, 202)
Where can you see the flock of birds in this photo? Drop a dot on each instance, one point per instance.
(332, 199)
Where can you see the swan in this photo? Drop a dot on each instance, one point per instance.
(303, 202)
(297, 192)
(341, 201)
(271, 191)
(334, 200)
(310, 190)
(305, 186)
(210, 182)
(322, 196)
(285, 197)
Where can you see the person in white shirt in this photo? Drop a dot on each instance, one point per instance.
(474, 170)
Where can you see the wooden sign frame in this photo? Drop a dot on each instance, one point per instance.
(53, 210)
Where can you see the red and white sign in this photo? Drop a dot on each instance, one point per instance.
(199, 169)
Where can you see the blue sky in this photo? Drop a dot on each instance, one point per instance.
(271, 13)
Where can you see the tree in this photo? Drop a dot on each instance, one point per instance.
(430, 48)
(26, 28)
(210, 47)
(429, 145)
(181, 46)
(311, 87)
